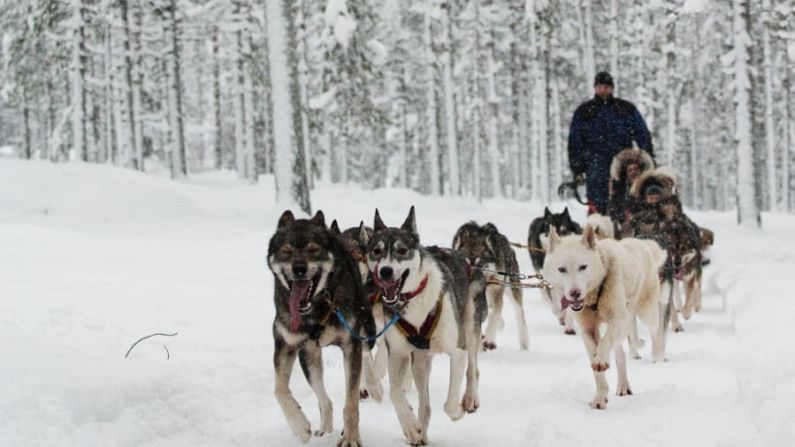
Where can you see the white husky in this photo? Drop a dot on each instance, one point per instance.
(607, 283)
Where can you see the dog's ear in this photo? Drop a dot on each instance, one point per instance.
(378, 224)
(286, 219)
(457, 239)
(363, 239)
(547, 213)
(335, 228)
(410, 224)
(589, 236)
(566, 213)
(319, 219)
(554, 239)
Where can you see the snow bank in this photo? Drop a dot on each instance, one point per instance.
(93, 258)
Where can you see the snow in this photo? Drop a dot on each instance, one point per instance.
(694, 6)
(340, 21)
(93, 258)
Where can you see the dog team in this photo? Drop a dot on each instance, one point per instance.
(391, 303)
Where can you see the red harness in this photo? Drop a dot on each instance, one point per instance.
(421, 339)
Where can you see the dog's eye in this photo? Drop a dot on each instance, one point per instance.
(376, 252)
(313, 249)
(286, 250)
(562, 269)
(402, 251)
(583, 267)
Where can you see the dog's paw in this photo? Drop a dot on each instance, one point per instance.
(698, 307)
(687, 312)
(640, 343)
(635, 355)
(489, 345)
(570, 331)
(600, 365)
(624, 390)
(375, 391)
(455, 410)
(413, 432)
(562, 321)
(320, 433)
(598, 403)
(349, 441)
(524, 343)
(470, 402)
(300, 427)
(678, 327)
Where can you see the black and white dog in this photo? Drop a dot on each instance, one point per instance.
(488, 251)
(428, 289)
(316, 280)
(538, 245)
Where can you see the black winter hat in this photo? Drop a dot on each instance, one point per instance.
(603, 78)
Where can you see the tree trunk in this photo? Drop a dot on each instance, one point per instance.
(614, 42)
(449, 100)
(240, 118)
(179, 164)
(492, 100)
(789, 115)
(218, 151)
(78, 74)
(290, 171)
(747, 207)
(133, 152)
(431, 113)
(770, 129)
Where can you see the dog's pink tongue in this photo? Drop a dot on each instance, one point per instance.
(564, 303)
(298, 292)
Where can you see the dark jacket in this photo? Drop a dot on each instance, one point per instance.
(600, 129)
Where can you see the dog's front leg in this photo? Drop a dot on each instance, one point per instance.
(421, 368)
(371, 384)
(613, 335)
(590, 336)
(352, 355)
(452, 406)
(471, 400)
(623, 388)
(398, 367)
(495, 322)
(521, 324)
(676, 325)
(311, 359)
(635, 342)
(283, 361)
(568, 322)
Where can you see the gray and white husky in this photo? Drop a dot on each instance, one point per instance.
(428, 289)
(487, 251)
(314, 276)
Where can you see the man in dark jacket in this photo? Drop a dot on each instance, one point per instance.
(600, 129)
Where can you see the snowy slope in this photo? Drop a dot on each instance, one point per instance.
(93, 258)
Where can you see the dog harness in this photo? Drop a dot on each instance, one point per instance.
(421, 338)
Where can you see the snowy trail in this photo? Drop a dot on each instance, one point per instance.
(79, 286)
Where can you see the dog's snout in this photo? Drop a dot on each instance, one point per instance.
(386, 273)
(575, 293)
(299, 270)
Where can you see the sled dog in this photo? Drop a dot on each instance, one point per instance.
(538, 243)
(488, 251)
(607, 283)
(428, 289)
(314, 278)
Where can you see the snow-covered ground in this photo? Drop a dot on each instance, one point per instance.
(93, 258)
